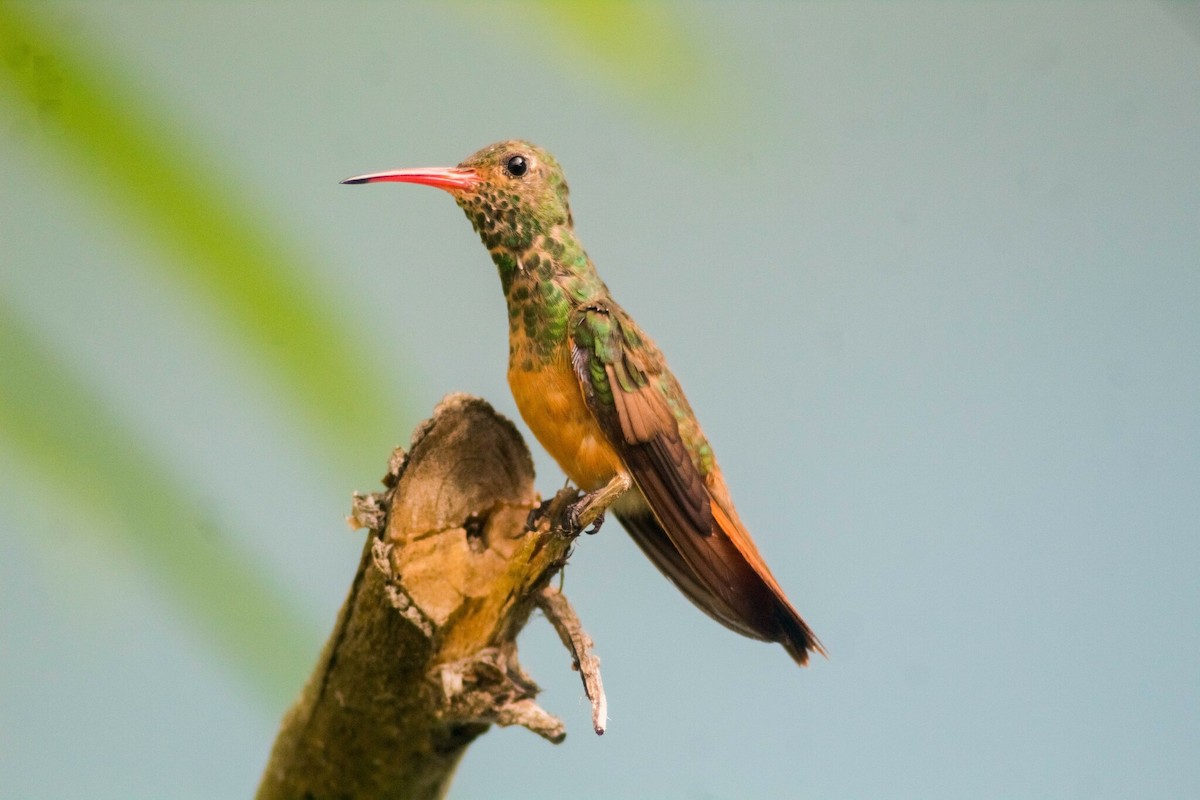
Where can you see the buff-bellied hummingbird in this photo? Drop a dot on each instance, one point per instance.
(598, 395)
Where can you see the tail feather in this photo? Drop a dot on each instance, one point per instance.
(794, 634)
(649, 535)
(723, 575)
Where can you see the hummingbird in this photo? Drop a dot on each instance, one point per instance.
(596, 392)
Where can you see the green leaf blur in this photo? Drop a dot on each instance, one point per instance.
(65, 437)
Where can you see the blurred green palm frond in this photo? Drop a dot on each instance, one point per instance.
(116, 144)
(63, 435)
(644, 51)
(131, 157)
(641, 45)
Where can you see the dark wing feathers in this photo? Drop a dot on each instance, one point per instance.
(639, 416)
(671, 484)
(618, 383)
(694, 541)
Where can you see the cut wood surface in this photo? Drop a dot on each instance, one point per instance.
(423, 657)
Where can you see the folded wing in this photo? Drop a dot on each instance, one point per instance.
(686, 525)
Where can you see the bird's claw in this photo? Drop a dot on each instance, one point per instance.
(575, 522)
(535, 514)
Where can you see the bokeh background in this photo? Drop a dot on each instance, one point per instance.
(929, 272)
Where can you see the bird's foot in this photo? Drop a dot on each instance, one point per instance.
(586, 514)
(581, 518)
(555, 512)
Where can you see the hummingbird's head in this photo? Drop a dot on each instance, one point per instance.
(512, 191)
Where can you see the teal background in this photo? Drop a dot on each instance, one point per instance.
(927, 270)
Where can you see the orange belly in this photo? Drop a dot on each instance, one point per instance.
(552, 405)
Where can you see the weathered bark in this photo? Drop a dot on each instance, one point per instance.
(423, 658)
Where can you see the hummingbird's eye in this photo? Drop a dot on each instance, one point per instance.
(516, 166)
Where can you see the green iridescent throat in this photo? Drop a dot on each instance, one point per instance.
(544, 271)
